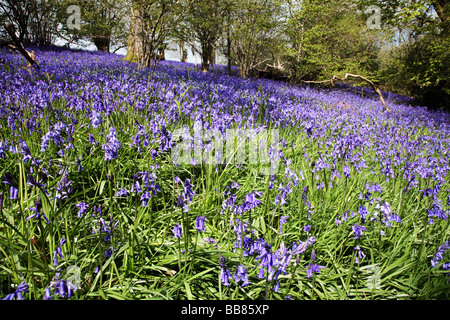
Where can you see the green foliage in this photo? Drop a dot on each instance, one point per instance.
(421, 68)
(329, 38)
(254, 24)
(417, 61)
(101, 21)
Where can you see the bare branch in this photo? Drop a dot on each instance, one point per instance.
(374, 87)
(19, 47)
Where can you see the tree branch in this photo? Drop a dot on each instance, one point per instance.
(374, 87)
(19, 47)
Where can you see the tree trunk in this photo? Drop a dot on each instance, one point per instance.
(184, 52)
(134, 45)
(229, 51)
(102, 42)
(205, 56)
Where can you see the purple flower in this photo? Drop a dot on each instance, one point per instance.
(439, 255)
(96, 119)
(177, 180)
(200, 223)
(58, 252)
(62, 288)
(313, 268)
(145, 197)
(436, 211)
(357, 231)
(283, 220)
(121, 192)
(363, 213)
(63, 189)
(188, 192)
(346, 171)
(22, 288)
(307, 228)
(359, 254)
(37, 211)
(225, 274)
(241, 275)
(91, 139)
(112, 145)
(82, 208)
(209, 240)
(251, 201)
(177, 231)
(13, 192)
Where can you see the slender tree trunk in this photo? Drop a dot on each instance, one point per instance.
(184, 52)
(229, 51)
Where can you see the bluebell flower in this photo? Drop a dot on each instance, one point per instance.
(283, 220)
(112, 145)
(58, 252)
(241, 275)
(225, 274)
(145, 197)
(62, 288)
(357, 231)
(188, 192)
(305, 195)
(3, 147)
(209, 240)
(82, 206)
(436, 211)
(121, 192)
(177, 231)
(37, 211)
(13, 192)
(346, 171)
(266, 257)
(439, 255)
(22, 288)
(96, 119)
(363, 213)
(359, 254)
(91, 139)
(313, 268)
(200, 223)
(63, 189)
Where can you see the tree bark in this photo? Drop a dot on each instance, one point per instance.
(134, 47)
(184, 52)
(229, 51)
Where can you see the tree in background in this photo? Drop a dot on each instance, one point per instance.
(327, 38)
(34, 20)
(205, 20)
(152, 24)
(252, 24)
(102, 22)
(418, 64)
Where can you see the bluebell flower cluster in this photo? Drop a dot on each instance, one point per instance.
(112, 145)
(17, 294)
